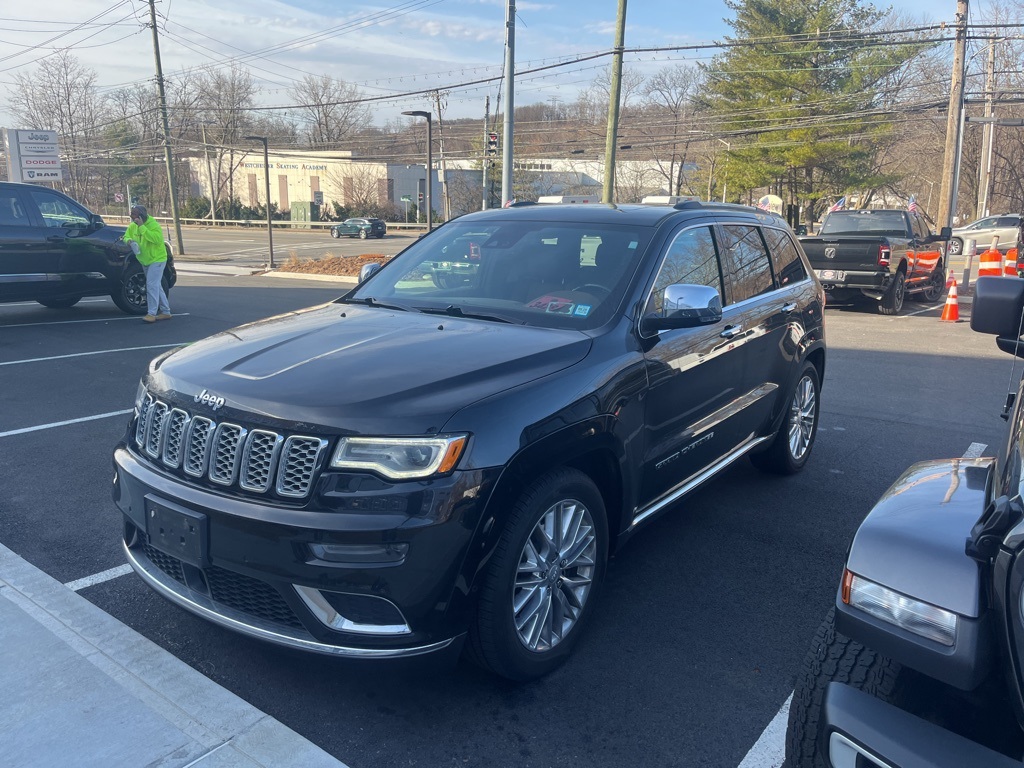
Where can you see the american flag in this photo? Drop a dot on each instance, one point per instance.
(763, 203)
(509, 203)
(912, 205)
(838, 205)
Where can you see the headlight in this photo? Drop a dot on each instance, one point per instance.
(905, 612)
(140, 393)
(399, 458)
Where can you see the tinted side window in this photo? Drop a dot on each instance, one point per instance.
(58, 211)
(691, 258)
(921, 230)
(789, 268)
(12, 213)
(745, 263)
(1007, 221)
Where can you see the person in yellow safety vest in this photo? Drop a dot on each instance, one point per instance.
(147, 241)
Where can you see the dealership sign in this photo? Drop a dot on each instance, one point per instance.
(33, 156)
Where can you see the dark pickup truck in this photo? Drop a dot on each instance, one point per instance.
(882, 254)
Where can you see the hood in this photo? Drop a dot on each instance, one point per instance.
(361, 370)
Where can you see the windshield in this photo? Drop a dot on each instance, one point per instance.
(865, 223)
(552, 275)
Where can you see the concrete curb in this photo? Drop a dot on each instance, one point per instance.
(84, 688)
(304, 276)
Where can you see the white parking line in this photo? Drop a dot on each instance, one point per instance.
(770, 750)
(86, 354)
(99, 578)
(55, 424)
(98, 320)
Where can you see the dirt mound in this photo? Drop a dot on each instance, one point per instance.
(347, 266)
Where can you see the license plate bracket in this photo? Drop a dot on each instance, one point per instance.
(831, 274)
(177, 531)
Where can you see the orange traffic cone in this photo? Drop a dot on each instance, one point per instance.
(1010, 263)
(950, 280)
(951, 312)
(991, 264)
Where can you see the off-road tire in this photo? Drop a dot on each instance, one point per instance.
(833, 657)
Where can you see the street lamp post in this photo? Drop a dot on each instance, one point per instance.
(266, 177)
(430, 163)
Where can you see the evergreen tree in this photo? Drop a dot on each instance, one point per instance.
(800, 81)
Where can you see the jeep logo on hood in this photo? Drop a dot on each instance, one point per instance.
(208, 398)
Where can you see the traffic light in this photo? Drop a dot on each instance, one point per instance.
(421, 197)
(492, 143)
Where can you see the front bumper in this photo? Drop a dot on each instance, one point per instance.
(368, 584)
(865, 732)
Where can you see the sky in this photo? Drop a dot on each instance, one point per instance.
(387, 49)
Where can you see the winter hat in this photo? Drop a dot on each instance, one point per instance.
(140, 211)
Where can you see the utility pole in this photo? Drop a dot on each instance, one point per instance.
(446, 203)
(167, 129)
(608, 193)
(509, 97)
(954, 118)
(988, 134)
(487, 155)
(209, 175)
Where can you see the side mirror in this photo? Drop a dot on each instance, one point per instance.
(997, 309)
(945, 233)
(685, 306)
(368, 271)
(96, 222)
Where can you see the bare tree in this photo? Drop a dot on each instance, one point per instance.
(328, 110)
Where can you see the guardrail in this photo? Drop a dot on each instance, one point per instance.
(116, 218)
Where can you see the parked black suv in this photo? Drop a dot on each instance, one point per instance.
(54, 251)
(418, 462)
(921, 660)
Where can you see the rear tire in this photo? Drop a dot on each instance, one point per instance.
(543, 579)
(362, 234)
(789, 451)
(892, 301)
(61, 303)
(833, 657)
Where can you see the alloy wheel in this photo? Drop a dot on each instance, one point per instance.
(555, 575)
(802, 412)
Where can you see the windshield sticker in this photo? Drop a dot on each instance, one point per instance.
(582, 310)
(553, 304)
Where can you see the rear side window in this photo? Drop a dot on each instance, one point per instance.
(12, 213)
(691, 259)
(745, 263)
(921, 230)
(789, 267)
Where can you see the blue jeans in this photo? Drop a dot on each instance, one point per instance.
(156, 298)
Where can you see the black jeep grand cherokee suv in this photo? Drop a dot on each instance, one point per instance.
(412, 464)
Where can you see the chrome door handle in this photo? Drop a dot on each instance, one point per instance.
(731, 332)
(787, 308)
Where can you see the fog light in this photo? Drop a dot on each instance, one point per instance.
(905, 612)
(361, 555)
(368, 621)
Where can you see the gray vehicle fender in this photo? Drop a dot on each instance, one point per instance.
(912, 542)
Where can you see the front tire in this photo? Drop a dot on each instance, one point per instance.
(542, 583)
(936, 286)
(892, 301)
(335, 233)
(833, 657)
(956, 246)
(130, 294)
(61, 303)
(789, 451)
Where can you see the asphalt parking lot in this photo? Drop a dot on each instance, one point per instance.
(706, 614)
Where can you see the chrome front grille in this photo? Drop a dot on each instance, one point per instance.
(227, 454)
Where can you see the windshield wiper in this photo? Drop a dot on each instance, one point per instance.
(372, 302)
(455, 311)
